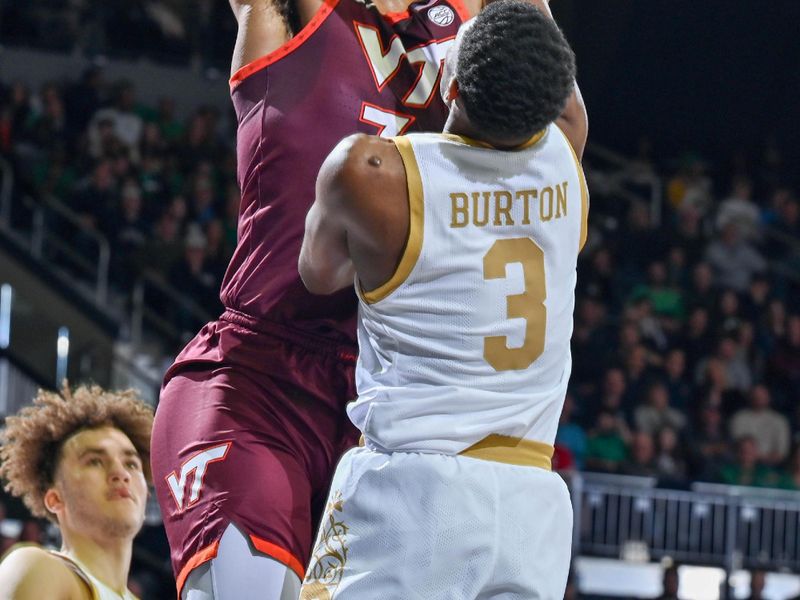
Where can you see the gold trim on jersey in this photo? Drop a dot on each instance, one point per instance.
(512, 451)
(584, 194)
(416, 221)
(535, 139)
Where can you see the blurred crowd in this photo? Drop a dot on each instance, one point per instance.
(199, 33)
(686, 348)
(686, 344)
(160, 188)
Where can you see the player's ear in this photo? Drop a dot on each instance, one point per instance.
(53, 501)
(452, 91)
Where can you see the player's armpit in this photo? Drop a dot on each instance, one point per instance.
(31, 573)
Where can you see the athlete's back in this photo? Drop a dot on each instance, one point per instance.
(465, 254)
(470, 337)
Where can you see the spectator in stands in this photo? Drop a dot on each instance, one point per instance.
(612, 400)
(657, 413)
(639, 242)
(82, 100)
(669, 460)
(675, 380)
(665, 299)
(728, 357)
(650, 327)
(784, 364)
(590, 339)
(708, 443)
(49, 125)
(756, 300)
(600, 280)
(702, 291)
(767, 427)
(690, 187)
(791, 475)
(690, 235)
(727, 317)
(641, 458)
(697, 339)
(747, 470)
(734, 259)
(670, 583)
(740, 210)
(127, 124)
(758, 581)
(605, 449)
(570, 434)
(638, 375)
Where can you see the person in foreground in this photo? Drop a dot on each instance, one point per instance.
(79, 459)
(464, 247)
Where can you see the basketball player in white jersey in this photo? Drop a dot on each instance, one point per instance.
(80, 459)
(464, 248)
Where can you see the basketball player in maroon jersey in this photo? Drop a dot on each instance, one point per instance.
(251, 417)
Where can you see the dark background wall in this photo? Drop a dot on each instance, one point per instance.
(707, 75)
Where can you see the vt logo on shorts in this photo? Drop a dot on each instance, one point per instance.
(196, 465)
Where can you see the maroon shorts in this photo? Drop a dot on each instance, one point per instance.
(249, 427)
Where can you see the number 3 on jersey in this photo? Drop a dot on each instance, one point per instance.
(528, 305)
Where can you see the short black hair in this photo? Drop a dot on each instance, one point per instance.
(515, 70)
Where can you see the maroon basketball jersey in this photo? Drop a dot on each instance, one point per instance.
(349, 70)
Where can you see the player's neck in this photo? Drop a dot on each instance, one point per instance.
(391, 6)
(459, 124)
(109, 560)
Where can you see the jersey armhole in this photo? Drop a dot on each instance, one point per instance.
(78, 572)
(416, 223)
(584, 191)
(287, 48)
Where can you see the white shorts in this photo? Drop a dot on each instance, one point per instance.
(409, 526)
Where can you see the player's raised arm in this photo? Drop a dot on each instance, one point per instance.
(265, 25)
(573, 120)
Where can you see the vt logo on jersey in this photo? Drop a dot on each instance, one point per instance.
(196, 465)
(385, 65)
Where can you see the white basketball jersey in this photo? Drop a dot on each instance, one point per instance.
(100, 591)
(470, 336)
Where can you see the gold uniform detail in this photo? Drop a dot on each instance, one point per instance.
(327, 564)
(485, 208)
(528, 305)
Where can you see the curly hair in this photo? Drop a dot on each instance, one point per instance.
(515, 70)
(32, 440)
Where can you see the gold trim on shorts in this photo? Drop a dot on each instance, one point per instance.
(512, 451)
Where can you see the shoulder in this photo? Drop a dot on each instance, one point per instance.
(33, 572)
(359, 165)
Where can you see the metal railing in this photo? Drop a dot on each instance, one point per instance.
(613, 173)
(34, 226)
(155, 313)
(731, 527)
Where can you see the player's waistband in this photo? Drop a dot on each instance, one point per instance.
(508, 450)
(298, 337)
(512, 451)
